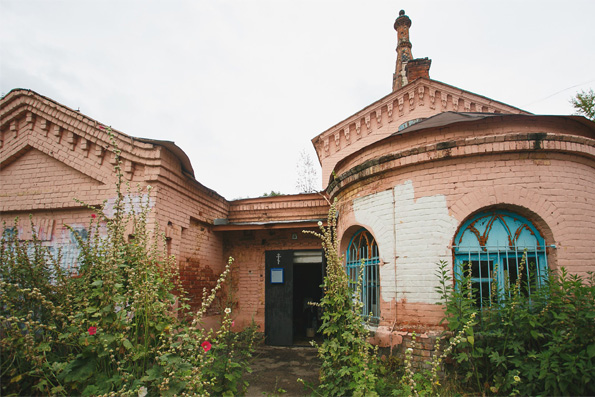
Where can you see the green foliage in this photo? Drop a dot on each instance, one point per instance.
(272, 194)
(584, 103)
(232, 352)
(118, 325)
(542, 344)
(348, 359)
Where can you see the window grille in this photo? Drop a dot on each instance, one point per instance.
(363, 247)
(493, 244)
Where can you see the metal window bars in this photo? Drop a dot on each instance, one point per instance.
(501, 263)
(362, 253)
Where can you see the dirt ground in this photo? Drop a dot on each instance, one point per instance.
(275, 371)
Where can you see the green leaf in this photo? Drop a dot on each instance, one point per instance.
(16, 378)
(97, 283)
(127, 344)
(591, 350)
(41, 385)
(45, 347)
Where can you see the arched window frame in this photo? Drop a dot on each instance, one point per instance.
(500, 252)
(363, 246)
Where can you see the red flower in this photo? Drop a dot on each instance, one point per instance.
(92, 330)
(93, 216)
(206, 345)
(101, 127)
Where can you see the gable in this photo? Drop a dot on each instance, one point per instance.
(398, 110)
(28, 119)
(35, 180)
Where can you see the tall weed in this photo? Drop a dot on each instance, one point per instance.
(119, 325)
(348, 361)
(542, 344)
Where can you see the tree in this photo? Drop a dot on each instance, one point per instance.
(307, 175)
(271, 194)
(584, 103)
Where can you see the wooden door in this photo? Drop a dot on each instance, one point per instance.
(278, 305)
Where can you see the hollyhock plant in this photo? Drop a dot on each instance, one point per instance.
(126, 294)
(206, 345)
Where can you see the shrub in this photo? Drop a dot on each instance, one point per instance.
(347, 358)
(118, 325)
(542, 343)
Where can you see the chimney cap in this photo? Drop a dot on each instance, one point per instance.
(402, 20)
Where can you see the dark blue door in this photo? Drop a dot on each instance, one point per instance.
(278, 305)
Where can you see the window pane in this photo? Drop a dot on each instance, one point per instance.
(494, 243)
(363, 247)
(481, 269)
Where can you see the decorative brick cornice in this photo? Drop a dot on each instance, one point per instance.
(28, 119)
(28, 105)
(279, 208)
(422, 94)
(472, 146)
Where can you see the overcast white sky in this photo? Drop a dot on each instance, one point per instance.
(243, 86)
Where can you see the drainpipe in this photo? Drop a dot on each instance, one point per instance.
(395, 250)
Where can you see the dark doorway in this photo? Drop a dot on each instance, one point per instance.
(307, 279)
(293, 278)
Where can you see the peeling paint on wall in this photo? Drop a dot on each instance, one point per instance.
(424, 231)
(56, 239)
(412, 236)
(375, 212)
(71, 248)
(133, 202)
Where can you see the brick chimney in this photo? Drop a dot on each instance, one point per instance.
(416, 68)
(407, 68)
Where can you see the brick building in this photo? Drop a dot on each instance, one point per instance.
(428, 173)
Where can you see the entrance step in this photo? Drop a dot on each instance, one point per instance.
(275, 371)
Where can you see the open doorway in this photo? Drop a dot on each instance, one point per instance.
(292, 279)
(307, 287)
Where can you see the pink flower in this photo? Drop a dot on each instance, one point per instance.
(93, 216)
(206, 345)
(233, 323)
(92, 330)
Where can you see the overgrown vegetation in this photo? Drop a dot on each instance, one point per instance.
(348, 360)
(537, 344)
(117, 326)
(541, 343)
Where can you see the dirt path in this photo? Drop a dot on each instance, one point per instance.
(275, 371)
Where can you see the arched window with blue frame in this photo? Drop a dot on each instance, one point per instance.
(492, 243)
(363, 248)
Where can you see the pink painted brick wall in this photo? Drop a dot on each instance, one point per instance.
(248, 249)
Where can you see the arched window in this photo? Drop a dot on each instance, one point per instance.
(363, 247)
(493, 243)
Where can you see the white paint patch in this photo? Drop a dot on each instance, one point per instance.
(375, 213)
(133, 202)
(418, 232)
(424, 231)
(70, 248)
